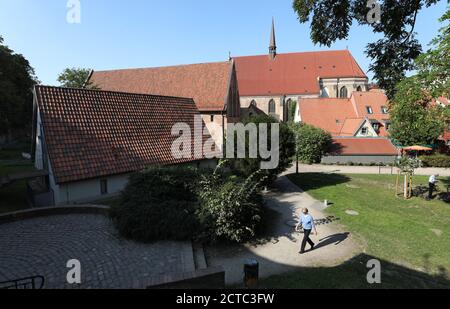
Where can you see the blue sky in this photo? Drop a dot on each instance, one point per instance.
(145, 33)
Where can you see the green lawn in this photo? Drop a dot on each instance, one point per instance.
(412, 233)
(13, 197)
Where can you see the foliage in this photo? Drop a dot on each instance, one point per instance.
(415, 119)
(393, 55)
(17, 79)
(174, 203)
(434, 66)
(158, 204)
(408, 165)
(438, 160)
(311, 143)
(231, 207)
(76, 78)
(248, 166)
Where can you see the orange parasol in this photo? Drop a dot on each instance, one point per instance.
(417, 148)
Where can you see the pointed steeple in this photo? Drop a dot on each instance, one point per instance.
(273, 43)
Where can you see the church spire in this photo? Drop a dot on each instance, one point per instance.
(273, 43)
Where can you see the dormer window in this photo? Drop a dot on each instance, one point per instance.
(376, 126)
(364, 131)
(369, 110)
(384, 110)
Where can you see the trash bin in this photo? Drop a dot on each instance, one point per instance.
(251, 274)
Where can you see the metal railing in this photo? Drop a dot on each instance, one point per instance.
(30, 283)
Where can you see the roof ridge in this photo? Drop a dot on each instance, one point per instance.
(165, 66)
(295, 53)
(113, 92)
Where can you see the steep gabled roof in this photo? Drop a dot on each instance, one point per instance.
(295, 73)
(351, 126)
(206, 83)
(91, 133)
(327, 114)
(374, 99)
(343, 117)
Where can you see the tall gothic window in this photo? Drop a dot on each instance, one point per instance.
(343, 93)
(253, 103)
(272, 107)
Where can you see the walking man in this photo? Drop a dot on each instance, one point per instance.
(432, 185)
(307, 222)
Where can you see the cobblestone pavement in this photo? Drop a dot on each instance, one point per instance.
(43, 246)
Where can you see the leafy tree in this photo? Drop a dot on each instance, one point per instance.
(393, 55)
(76, 78)
(17, 79)
(434, 66)
(248, 166)
(311, 143)
(415, 119)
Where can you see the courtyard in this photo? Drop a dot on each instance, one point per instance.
(43, 246)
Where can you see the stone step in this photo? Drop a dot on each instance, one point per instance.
(199, 256)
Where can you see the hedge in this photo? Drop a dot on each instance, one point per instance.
(438, 160)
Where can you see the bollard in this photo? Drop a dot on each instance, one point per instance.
(325, 203)
(251, 274)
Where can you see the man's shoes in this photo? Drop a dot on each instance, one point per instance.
(312, 247)
(302, 252)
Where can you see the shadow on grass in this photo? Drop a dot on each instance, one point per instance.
(353, 274)
(311, 181)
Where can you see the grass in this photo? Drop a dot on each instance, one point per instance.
(396, 231)
(14, 196)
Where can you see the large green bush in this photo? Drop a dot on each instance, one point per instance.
(231, 207)
(182, 204)
(311, 143)
(438, 160)
(158, 204)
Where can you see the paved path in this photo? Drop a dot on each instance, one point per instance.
(279, 254)
(444, 172)
(42, 246)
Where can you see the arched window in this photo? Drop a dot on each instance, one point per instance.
(291, 109)
(253, 103)
(343, 93)
(359, 89)
(272, 107)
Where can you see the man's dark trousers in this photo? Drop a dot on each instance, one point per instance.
(306, 239)
(431, 188)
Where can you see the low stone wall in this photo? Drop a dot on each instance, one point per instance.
(210, 278)
(52, 211)
(359, 159)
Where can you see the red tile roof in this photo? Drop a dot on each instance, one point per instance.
(327, 114)
(342, 117)
(91, 134)
(206, 83)
(351, 126)
(363, 146)
(295, 73)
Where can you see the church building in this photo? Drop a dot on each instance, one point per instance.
(274, 81)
